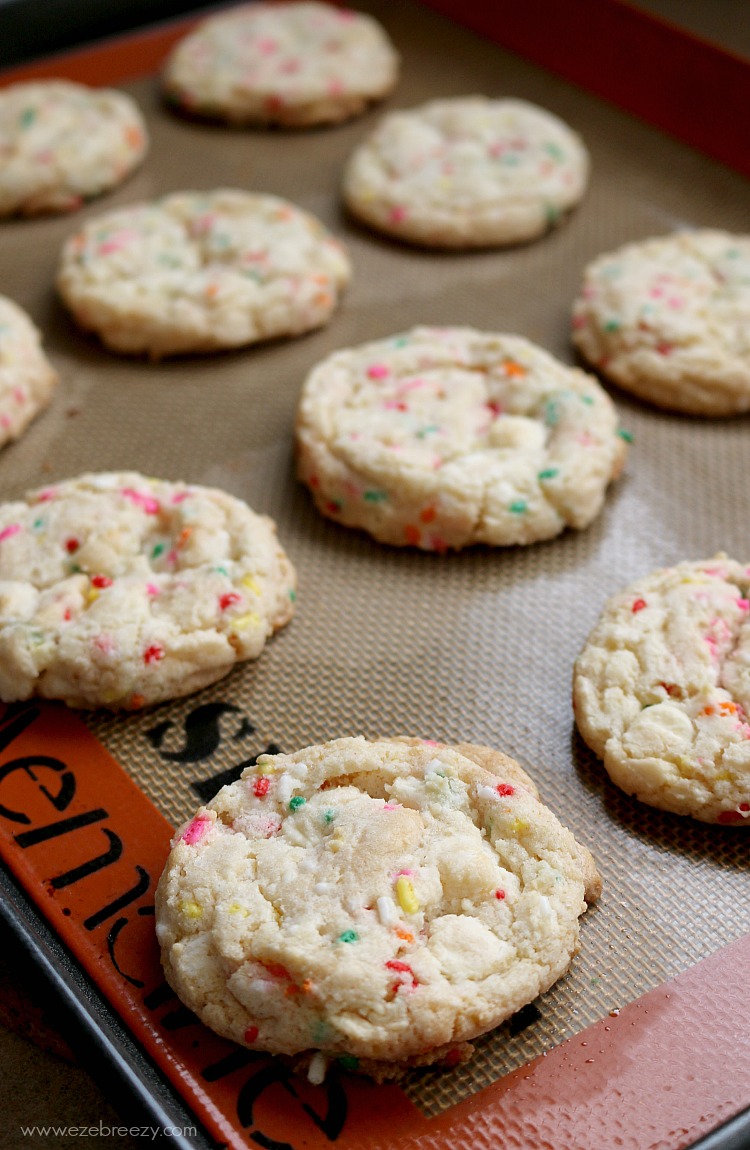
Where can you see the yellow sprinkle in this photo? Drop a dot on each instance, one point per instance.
(191, 909)
(235, 908)
(245, 621)
(518, 826)
(406, 896)
(252, 584)
(92, 594)
(723, 775)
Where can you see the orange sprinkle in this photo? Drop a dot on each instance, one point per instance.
(307, 986)
(727, 708)
(212, 290)
(428, 514)
(134, 136)
(411, 534)
(405, 934)
(184, 536)
(291, 990)
(511, 368)
(137, 701)
(323, 299)
(708, 710)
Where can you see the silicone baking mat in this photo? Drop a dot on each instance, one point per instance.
(476, 646)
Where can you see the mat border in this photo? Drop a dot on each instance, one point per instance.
(534, 30)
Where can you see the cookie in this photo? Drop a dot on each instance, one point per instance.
(64, 143)
(293, 65)
(27, 379)
(379, 903)
(201, 271)
(119, 591)
(668, 319)
(443, 437)
(662, 690)
(467, 172)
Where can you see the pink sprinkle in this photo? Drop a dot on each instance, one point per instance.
(664, 348)
(335, 87)
(179, 497)
(585, 439)
(5, 421)
(105, 644)
(7, 532)
(172, 558)
(267, 46)
(409, 873)
(429, 743)
(196, 830)
(147, 502)
(398, 214)
(589, 292)
(392, 807)
(395, 405)
(19, 395)
(743, 604)
(46, 495)
(289, 67)
(378, 371)
(579, 321)
(152, 589)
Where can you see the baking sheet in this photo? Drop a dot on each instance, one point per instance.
(476, 646)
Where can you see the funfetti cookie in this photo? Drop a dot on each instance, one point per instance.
(202, 271)
(27, 378)
(120, 591)
(467, 172)
(442, 437)
(379, 903)
(662, 690)
(288, 65)
(668, 319)
(63, 143)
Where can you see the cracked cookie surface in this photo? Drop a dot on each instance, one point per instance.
(120, 591)
(292, 65)
(467, 172)
(380, 902)
(63, 143)
(669, 320)
(443, 437)
(202, 271)
(662, 690)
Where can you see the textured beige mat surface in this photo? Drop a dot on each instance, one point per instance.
(476, 646)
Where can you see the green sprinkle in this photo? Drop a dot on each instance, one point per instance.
(328, 817)
(612, 325)
(375, 496)
(555, 151)
(349, 1061)
(518, 506)
(293, 595)
(431, 430)
(510, 159)
(221, 570)
(28, 115)
(349, 936)
(549, 473)
(401, 341)
(38, 523)
(157, 551)
(551, 213)
(296, 802)
(626, 435)
(588, 400)
(552, 413)
(75, 569)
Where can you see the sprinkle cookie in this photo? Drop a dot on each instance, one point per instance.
(292, 65)
(119, 591)
(63, 143)
(468, 172)
(669, 320)
(197, 272)
(443, 437)
(27, 379)
(378, 903)
(662, 690)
